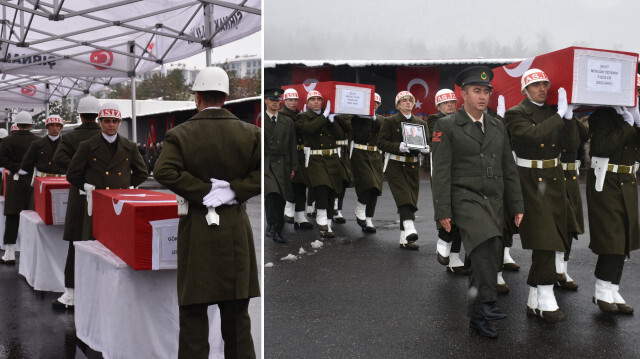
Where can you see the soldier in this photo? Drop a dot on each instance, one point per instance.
(537, 133)
(88, 109)
(345, 165)
(216, 263)
(474, 175)
(280, 163)
(319, 132)
(19, 193)
(612, 200)
(39, 157)
(403, 171)
(449, 243)
(300, 178)
(366, 165)
(105, 161)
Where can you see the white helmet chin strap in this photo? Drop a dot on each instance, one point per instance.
(530, 99)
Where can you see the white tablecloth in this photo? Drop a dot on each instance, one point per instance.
(129, 314)
(43, 253)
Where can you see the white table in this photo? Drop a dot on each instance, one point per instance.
(124, 313)
(43, 253)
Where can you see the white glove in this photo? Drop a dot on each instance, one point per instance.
(16, 177)
(216, 183)
(88, 189)
(635, 113)
(569, 114)
(23, 172)
(501, 107)
(332, 117)
(425, 151)
(403, 147)
(327, 110)
(562, 102)
(220, 196)
(627, 116)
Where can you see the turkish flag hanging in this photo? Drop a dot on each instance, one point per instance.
(310, 75)
(423, 83)
(149, 140)
(257, 114)
(152, 129)
(171, 122)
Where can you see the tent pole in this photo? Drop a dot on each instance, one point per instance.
(132, 75)
(208, 16)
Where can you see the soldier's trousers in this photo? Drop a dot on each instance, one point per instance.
(341, 195)
(325, 197)
(543, 268)
(311, 197)
(11, 228)
(69, 267)
(193, 342)
(452, 237)
(369, 198)
(572, 237)
(483, 279)
(406, 212)
(609, 267)
(300, 195)
(274, 208)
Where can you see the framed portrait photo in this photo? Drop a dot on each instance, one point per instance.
(414, 135)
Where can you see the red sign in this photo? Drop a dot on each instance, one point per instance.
(121, 222)
(42, 198)
(109, 112)
(328, 92)
(309, 76)
(423, 82)
(28, 90)
(102, 57)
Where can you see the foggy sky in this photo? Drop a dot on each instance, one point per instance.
(428, 29)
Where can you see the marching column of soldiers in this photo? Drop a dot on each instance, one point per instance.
(493, 174)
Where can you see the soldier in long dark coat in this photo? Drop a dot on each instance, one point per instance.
(213, 160)
(347, 178)
(19, 191)
(403, 167)
(366, 165)
(474, 179)
(575, 221)
(300, 179)
(449, 243)
(537, 131)
(39, 157)
(88, 109)
(280, 162)
(612, 200)
(320, 131)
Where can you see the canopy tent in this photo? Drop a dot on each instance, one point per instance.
(81, 45)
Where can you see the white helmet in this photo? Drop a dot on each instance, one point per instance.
(53, 119)
(402, 94)
(314, 93)
(23, 118)
(89, 104)
(445, 95)
(3, 133)
(377, 98)
(289, 93)
(211, 79)
(110, 110)
(531, 76)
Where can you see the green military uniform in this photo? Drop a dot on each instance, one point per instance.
(324, 170)
(343, 144)
(19, 194)
(216, 264)
(568, 156)
(300, 180)
(538, 133)
(613, 212)
(76, 203)
(105, 165)
(40, 156)
(280, 159)
(403, 177)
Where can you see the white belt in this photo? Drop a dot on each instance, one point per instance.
(522, 162)
(365, 147)
(570, 166)
(403, 158)
(622, 168)
(342, 143)
(324, 152)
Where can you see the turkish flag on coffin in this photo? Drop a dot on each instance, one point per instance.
(590, 77)
(345, 97)
(310, 75)
(423, 83)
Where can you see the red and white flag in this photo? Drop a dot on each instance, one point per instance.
(423, 82)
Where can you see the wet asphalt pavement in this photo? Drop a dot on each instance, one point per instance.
(361, 296)
(31, 329)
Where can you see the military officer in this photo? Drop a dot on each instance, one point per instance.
(403, 166)
(474, 175)
(366, 165)
(216, 263)
(88, 109)
(537, 132)
(300, 178)
(39, 157)
(280, 162)
(612, 200)
(105, 161)
(19, 192)
(449, 243)
(319, 132)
